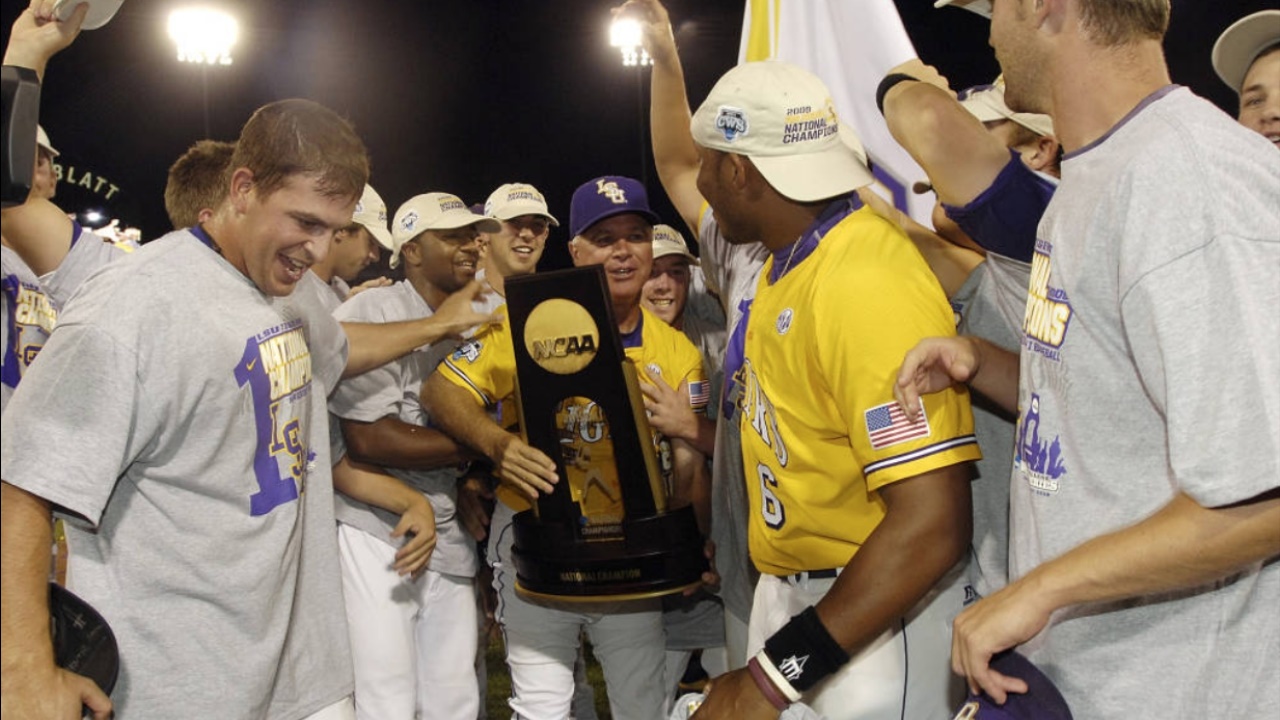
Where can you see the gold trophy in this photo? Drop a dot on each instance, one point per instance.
(607, 531)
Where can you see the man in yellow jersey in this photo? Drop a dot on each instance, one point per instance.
(856, 512)
(611, 225)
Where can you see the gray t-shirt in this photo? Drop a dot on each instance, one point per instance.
(731, 271)
(394, 390)
(27, 316)
(991, 305)
(1148, 368)
(178, 418)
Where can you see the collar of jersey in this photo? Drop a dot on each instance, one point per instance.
(789, 257)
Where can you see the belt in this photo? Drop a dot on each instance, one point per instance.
(812, 575)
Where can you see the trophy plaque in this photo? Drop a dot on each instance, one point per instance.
(606, 532)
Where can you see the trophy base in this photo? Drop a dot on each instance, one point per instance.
(656, 555)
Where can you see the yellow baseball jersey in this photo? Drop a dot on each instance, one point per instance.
(486, 368)
(821, 432)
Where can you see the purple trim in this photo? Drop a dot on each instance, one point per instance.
(633, 339)
(203, 237)
(76, 232)
(786, 258)
(1148, 100)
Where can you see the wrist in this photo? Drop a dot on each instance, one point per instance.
(804, 652)
(768, 687)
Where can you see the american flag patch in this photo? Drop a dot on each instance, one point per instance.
(699, 393)
(888, 425)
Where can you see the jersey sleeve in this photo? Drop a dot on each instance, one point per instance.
(1210, 313)
(87, 254)
(688, 363)
(1004, 217)
(893, 301)
(485, 366)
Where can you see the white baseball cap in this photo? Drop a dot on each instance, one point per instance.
(42, 141)
(783, 118)
(371, 212)
(100, 11)
(981, 7)
(433, 211)
(515, 199)
(986, 102)
(668, 241)
(1241, 43)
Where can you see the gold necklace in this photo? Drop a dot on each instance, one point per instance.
(787, 265)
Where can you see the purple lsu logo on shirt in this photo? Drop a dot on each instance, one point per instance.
(276, 366)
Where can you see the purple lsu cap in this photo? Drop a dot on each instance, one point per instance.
(605, 197)
(1041, 701)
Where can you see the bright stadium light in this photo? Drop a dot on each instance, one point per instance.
(203, 35)
(625, 34)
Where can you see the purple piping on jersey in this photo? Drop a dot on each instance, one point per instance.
(203, 237)
(633, 338)
(785, 259)
(1148, 100)
(76, 232)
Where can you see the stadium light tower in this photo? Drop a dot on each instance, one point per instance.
(625, 34)
(203, 36)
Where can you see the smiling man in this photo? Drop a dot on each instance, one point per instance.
(177, 419)
(400, 625)
(611, 225)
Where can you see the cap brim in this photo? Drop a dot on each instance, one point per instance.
(381, 234)
(454, 220)
(1239, 45)
(980, 7)
(814, 176)
(515, 210)
(646, 214)
(100, 11)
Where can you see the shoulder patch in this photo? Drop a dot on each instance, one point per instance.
(469, 352)
(887, 425)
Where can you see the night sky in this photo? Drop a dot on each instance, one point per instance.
(455, 96)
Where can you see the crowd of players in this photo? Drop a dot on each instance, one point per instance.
(1048, 423)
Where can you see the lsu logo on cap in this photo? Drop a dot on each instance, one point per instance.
(610, 189)
(732, 122)
(409, 220)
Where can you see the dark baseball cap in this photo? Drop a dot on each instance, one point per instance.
(1041, 701)
(605, 197)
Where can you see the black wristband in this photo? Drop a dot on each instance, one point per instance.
(887, 83)
(804, 652)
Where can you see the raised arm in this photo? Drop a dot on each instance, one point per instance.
(674, 153)
(960, 156)
(374, 344)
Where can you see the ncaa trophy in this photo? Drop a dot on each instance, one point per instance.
(606, 532)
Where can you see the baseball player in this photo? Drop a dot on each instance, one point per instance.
(1136, 522)
(356, 247)
(731, 272)
(194, 186)
(402, 626)
(857, 512)
(611, 224)
(195, 464)
(1247, 58)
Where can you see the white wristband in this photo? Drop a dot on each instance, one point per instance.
(766, 664)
